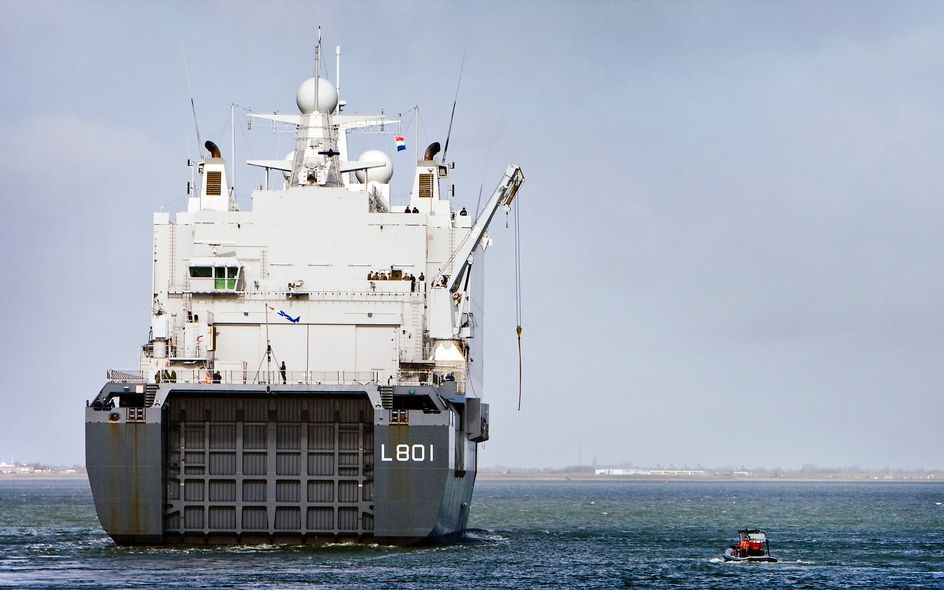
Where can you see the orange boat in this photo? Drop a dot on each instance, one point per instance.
(752, 545)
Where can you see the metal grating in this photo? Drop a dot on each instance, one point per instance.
(426, 186)
(214, 183)
(289, 466)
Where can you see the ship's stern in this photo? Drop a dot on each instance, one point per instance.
(123, 458)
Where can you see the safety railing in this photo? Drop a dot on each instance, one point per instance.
(436, 377)
(126, 376)
(245, 377)
(277, 376)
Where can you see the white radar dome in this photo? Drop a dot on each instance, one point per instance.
(381, 174)
(327, 96)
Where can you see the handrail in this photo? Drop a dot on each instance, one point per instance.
(125, 376)
(275, 376)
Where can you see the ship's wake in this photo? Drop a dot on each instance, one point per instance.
(476, 536)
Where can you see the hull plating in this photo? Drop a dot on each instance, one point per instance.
(233, 468)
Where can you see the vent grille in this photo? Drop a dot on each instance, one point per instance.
(426, 186)
(214, 183)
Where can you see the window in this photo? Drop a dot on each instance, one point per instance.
(225, 277)
(215, 274)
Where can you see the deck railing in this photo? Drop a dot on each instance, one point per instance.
(276, 376)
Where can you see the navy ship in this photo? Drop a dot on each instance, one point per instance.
(313, 369)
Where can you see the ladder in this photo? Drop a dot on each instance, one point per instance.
(386, 396)
(412, 348)
(172, 262)
(150, 392)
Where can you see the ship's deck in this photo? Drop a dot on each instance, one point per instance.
(265, 376)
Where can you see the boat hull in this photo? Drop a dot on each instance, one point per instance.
(730, 556)
(246, 465)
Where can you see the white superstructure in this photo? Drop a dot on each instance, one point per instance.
(320, 275)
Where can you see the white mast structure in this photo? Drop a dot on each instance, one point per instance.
(359, 292)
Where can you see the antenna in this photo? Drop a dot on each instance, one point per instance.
(337, 74)
(232, 148)
(453, 115)
(193, 106)
(416, 132)
(478, 205)
(317, 69)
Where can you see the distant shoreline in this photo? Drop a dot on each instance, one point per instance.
(563, 478)
(52, 475)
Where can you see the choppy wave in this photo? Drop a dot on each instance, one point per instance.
(567, 535)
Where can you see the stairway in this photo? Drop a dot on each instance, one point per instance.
(386, 396)
(150, 392)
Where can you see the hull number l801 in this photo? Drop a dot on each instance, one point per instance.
(403, 452)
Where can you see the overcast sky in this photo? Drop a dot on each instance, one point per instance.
(731, 224)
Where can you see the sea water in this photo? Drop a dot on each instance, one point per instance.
(526, 535)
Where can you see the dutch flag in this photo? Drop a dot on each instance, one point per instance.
(401, 143)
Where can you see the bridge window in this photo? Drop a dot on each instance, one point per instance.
(208, 275)
(224, 277)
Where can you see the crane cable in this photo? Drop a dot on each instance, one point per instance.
(518, 329)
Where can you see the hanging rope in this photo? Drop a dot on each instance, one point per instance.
(518, 329)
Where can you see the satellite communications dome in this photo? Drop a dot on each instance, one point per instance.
(381, 174)
(327, 96)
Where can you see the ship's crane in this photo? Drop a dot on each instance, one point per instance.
(444, 297)
(503, 195)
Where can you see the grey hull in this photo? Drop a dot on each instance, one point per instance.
(212, 464)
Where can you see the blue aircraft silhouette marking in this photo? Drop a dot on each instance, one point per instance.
(289, 318)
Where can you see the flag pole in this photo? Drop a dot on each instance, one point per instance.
(268, 346)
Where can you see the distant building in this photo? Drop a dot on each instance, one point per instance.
(677, 472)
(621, 472)
(662, 472)
(14, 468)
